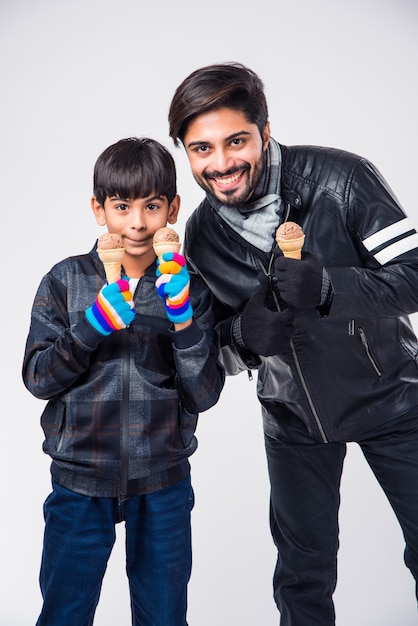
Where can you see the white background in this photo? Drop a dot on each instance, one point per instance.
(78, 75)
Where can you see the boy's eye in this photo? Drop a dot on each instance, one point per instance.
(152, 207)
(122, 207)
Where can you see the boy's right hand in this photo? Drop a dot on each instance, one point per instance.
(113, 308)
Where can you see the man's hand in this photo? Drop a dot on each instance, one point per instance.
(113, 308)
(300, 283)
(173, 286)
(261, 329)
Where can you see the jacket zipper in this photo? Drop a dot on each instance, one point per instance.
(366, 346)
(308, 395)
(237, 237)
(298, 367)
(124, 444)
(124, 436)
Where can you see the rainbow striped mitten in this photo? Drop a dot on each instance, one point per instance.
(113, 308)
(173, 286)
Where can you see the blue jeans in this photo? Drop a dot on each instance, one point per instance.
(79, 537)
(305, 499)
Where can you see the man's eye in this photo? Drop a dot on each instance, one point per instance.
(202, 149)
(237, 142)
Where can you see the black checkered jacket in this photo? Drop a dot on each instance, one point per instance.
(122, 409)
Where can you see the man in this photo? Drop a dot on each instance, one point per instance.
(329, 334)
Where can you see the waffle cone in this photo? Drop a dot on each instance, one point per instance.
(292, 248)
(166, 246)
(112, 262)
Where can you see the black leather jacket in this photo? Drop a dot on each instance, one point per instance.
(352, 367)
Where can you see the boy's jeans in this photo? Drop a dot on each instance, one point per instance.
(78, 540)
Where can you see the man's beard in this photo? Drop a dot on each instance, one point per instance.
(233, 198)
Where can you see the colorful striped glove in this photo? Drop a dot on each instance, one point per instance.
(173, 286)
(113, 308)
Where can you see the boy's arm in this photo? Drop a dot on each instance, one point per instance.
(58, 353)
(200, 375)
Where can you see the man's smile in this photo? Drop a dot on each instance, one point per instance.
(229, 179)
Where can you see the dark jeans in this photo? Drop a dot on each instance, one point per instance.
(305, 499)
(78, 540)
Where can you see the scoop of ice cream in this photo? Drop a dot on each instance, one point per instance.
(109, 241)
(165, 234)
(165, 240)
(288, 230)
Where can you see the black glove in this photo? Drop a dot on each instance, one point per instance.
(300, 283)
(260, 328)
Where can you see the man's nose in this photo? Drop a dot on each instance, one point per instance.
(222, 161)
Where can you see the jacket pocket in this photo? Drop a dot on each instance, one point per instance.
(187, 424)
(365, 343)
(53, 424)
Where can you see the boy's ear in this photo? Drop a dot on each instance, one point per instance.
(99, 212)
(173, 210)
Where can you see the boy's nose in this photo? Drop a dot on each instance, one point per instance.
(138, 220)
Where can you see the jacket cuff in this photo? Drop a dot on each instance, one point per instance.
(187, 337)
(86, 334)
(237, 332)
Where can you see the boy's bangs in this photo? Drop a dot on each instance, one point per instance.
(137, 183)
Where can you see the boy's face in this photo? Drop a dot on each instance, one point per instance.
(136, 220)
(225, 152)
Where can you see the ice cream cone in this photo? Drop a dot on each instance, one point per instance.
(292, 248)
(290, 238)
(112, 261)
(166, 246)
(165, 240)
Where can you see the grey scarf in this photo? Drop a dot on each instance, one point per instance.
(256, 221)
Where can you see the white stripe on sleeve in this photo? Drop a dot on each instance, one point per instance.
(396, 249)
(388, 233)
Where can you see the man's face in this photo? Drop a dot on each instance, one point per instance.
(226, 154)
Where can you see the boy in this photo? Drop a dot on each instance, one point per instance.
(123, 397)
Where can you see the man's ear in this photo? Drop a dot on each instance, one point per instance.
(173, 210)
(266, 136)
(99, 212)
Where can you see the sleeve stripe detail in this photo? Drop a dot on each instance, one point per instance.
(388, 233)
(396, 249)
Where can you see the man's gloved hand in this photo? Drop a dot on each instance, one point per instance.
(113, 308)
(173, 286)
(261, 329)
(300, 283)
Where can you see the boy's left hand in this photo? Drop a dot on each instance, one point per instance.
(173, 286)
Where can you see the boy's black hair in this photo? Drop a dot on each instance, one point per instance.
(134, 168)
